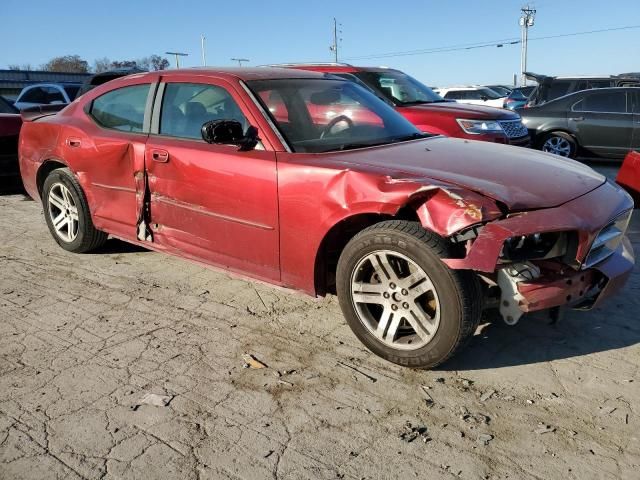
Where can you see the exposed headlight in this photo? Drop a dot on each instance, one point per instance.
(478, 127)
(534, 246)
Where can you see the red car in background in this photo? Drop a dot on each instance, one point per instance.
(417, 234)
(429, 111)
(10, 123)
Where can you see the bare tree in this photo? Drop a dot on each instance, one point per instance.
(158, 62)
(15, 66)
(101, 65)
(67, 63)
(124, 64)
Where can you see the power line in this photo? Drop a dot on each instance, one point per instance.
(489, 43)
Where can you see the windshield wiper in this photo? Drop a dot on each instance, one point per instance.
(404, 138)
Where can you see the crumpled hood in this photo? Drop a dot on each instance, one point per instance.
(520, 178)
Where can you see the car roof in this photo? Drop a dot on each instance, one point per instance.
(333, 67)
(237, 73)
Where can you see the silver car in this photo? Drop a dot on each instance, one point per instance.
(47, 94)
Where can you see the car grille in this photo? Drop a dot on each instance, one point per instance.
(514, 128)
(608, 239)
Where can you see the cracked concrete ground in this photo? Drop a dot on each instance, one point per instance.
(84, 337)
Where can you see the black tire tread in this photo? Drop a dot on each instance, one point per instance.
(466, 281)
(92, 238)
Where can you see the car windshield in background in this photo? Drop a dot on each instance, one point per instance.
(322, 115)
(487, 92)
(6, 107)
(399, 87)
(72, 91)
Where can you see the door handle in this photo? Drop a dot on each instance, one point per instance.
(73, 142)
(161, 156)
(577, 119)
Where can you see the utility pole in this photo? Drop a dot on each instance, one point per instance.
(336, 39)
(526, 20)
(202, 47)
(177, 55)
(239, 60)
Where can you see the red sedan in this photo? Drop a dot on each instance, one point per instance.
(312, 182)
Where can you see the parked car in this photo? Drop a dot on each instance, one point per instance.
(590, 122)
(10, 123)
(518, 98)
(413, 236)
(629, 176)
(429, 111)
(47, 94)
(503, 90)
(550, 88)
(473, 95)
(103, 77)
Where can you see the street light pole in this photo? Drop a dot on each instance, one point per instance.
(336, 40)
(526, 20)
(177, 55)
(202, 47)
(239, 60)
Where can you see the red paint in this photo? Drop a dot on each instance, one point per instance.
(265, 213)
(629, 175)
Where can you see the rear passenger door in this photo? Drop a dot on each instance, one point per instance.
(635, 142)
(603, 122)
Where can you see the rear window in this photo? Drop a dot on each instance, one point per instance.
(603, 102)
(122, 109)
(557, 90)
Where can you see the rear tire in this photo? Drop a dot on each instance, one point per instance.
(67, 213)
(401, 300)
(559, 143)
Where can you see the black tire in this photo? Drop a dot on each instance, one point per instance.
(573, 145)
(459, 291)
(88, 237)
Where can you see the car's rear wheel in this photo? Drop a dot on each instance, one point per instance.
(401, 300)
(559, 143)
(67, 213)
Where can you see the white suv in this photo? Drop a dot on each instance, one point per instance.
(47, 94)
(473, 95)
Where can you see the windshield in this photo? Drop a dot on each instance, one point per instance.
(6, 107)
(399, 87)
(500, 90)
(487, 92)
(320, 115)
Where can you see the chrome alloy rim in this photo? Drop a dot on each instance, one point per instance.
(395, 300)
(558, 145)
(63, 212)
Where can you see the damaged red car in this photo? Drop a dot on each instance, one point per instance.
(417, 234)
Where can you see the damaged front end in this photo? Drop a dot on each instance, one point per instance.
(573, 255)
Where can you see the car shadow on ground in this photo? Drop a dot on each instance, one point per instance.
(114, 245)
(536, 339)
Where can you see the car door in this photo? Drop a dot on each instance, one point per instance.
(211, 201)
(108, 148)
(635, 142)
(602, 122)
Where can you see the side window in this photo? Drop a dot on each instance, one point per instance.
(122, 109)
(187, 106)
(473, 95)
(605, 102)
(34, 95)
(453, 95)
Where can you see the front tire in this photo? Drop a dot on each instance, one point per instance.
(401, 300)
(67, 213)
(559, 143)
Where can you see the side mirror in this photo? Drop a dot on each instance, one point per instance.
(229, 132)
(484, 98)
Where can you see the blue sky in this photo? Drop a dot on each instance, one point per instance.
(287, 30)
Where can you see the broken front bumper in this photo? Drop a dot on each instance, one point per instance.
(560, 285)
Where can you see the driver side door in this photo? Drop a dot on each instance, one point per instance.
(211, 202)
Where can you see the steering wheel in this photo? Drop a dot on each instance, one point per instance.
(334, 121)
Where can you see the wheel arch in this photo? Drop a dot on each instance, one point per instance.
(45, 169)
(541, 136)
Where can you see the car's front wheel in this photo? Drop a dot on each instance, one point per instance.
(401, 300)
(559, 143)
(67, 213)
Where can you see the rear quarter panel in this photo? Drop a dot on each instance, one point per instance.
(37, 143)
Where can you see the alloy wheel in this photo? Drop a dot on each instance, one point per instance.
(395, 300)
(63, 212)
(558, 146)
